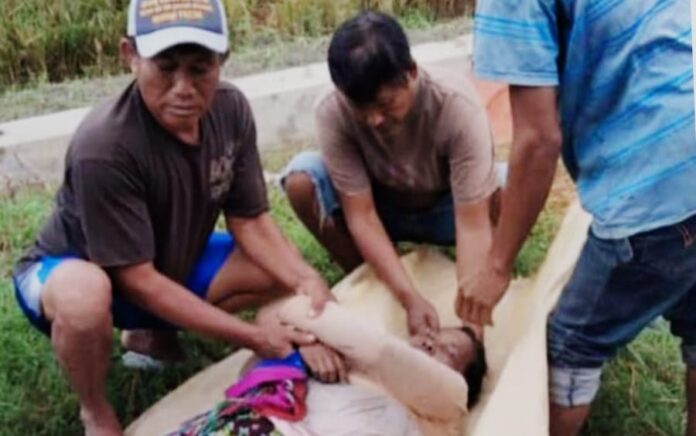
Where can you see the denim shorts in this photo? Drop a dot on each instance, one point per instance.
(619, 287)
(435, 225)
(126, 315)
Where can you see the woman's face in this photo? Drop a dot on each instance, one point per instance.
(451, 346)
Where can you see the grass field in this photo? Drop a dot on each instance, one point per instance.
(43, 97)
(55, 40)
(642, 392)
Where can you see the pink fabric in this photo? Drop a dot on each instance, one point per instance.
(258, 376)
(275, 391)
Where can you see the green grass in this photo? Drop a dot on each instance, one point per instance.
(34, 399)
(643, 389)
(642, 392)
(534, 249)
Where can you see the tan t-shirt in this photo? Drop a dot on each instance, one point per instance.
(445, 143)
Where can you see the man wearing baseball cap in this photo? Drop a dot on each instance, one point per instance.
(130, 243)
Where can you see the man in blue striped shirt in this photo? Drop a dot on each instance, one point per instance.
(607, 84)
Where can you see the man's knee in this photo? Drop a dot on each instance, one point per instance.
(685, 329)
(573, 387)
(242, 284)
(78, 295)
(299, 188)
(575, 365)
(308, 187)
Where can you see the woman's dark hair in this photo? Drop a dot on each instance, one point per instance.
(476, 371)
(367, 52)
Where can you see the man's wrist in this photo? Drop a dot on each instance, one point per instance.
(500, 265)
(464, 278)
(249, 336)
(406, 297)
(308, 278)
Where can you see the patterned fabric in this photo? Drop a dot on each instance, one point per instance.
(229, 418)
(273, 388)
(624, 74)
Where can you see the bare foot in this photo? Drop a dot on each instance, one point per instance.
(102, 423)
(158, 344)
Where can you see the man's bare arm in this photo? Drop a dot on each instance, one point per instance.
(534, 155)
(379, 252)
(266, 246)
(156, 293)
(474, 238)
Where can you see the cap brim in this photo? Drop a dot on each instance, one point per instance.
(156, 42)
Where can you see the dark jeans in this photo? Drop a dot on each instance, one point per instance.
(618, 288)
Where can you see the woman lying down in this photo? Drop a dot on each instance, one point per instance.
(390, 388)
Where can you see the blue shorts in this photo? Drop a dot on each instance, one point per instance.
(126, 315)
(434, 226)
(619, 287)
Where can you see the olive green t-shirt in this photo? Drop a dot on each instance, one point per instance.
(133, 193)
(444, 144)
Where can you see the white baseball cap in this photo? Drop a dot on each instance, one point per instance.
(158, 25)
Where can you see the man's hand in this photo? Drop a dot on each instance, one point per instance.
(477, 298)
(421, 316)
(276, 339)
(318, 292)
(327, 365)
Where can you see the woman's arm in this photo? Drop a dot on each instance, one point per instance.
(428, 388)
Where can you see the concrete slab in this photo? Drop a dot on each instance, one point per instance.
(33, 149)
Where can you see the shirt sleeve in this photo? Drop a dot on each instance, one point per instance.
(110, 199)
(437, 393)
(341, 156)
(517, 41)
(247, 197)
(470, 152)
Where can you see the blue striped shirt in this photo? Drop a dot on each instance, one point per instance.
(624, 73)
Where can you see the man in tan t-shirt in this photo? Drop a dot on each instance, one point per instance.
(406, 155)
